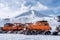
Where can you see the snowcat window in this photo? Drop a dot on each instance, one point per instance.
(8, 24)
(43, 21)
(43, 24)
(20, 25)
(46, 24)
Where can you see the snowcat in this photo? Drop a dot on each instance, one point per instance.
(13, 27)
(40, 27)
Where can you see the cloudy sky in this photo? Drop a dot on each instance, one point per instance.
(13, 8)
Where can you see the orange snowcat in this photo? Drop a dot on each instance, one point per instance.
(13, 27)
(40, 27)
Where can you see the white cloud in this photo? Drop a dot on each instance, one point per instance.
(39, 7)
(6, 11)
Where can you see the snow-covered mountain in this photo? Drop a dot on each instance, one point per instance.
(33, 12)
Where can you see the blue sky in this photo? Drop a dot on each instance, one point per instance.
(12, 8)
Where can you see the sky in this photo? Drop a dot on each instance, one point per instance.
(12, 8)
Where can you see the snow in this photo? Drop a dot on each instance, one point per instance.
(27, 37)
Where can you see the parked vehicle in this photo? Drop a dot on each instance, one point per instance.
(40, 27)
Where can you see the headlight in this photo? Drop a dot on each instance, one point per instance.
(24, 28)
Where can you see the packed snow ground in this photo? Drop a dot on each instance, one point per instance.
(27, 37)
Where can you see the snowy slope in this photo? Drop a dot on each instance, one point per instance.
(30, 12)
(31, 16)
